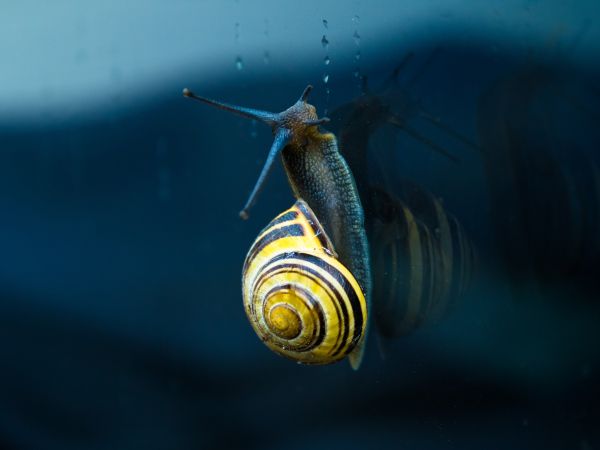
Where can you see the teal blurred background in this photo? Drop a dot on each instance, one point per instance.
(121, 322)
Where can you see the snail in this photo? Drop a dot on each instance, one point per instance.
(306, 280)
(327, 318)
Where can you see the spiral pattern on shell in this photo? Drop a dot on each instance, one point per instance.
(301, 301)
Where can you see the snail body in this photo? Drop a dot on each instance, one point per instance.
(319, 175)
(322, 181)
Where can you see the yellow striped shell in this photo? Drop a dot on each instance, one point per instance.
(301, 301)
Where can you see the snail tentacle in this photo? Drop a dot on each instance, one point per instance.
(282, 138)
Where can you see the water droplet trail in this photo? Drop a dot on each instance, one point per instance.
(266, 54)
(326, 62)
(357, 54)
(239, 63)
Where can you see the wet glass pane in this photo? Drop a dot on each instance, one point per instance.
(418, 267)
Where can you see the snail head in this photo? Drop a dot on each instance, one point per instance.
(293, 125)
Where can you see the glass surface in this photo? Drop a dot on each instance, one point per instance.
(121, 316)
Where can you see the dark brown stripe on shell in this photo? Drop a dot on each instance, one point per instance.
(317, 306)
(340, 309)
(345, 283)
(295, 230)
(286, 217)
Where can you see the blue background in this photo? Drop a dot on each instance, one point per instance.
(121, 324)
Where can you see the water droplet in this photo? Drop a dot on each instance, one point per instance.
(253, 132)
(327, 60)
(357, 56)
(356, 74)
(266, 57)
(239, 64)
(325, 23)
(356, 19)
(326, 78)
(324, 41)
(237, 31)
(356, 37)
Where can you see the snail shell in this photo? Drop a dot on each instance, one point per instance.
(301, 301)
(423, 261)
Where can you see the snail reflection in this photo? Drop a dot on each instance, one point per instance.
(307, 279)
(422, 258)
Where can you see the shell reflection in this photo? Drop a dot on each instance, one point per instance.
(422, 259)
